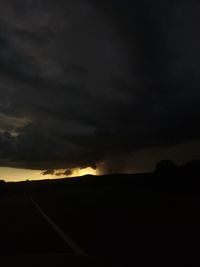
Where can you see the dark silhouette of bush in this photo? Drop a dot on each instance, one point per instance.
(166, 167)
(191, 168)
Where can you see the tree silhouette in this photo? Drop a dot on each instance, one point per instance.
(166, 167)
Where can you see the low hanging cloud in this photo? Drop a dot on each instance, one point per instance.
(58, 173)
(84, 82)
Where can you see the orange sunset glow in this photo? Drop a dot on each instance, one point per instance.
(15, 174)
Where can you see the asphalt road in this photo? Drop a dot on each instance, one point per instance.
(125, 227)
(135, 229)
(27, 239)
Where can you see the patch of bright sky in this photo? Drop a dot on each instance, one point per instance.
(14, 174)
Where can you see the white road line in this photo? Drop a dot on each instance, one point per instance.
(60, 232)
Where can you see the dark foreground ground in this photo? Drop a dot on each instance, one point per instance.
(136, 222)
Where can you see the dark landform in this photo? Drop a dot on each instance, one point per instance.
(118, 220)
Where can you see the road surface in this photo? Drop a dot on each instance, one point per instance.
(28, 239)
(116, 227)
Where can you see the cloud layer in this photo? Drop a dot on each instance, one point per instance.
(84, 82)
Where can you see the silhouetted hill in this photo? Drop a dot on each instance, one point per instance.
(167, 176)
(166, 167)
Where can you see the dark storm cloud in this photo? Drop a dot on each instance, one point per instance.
(57, 173)
(83, 82)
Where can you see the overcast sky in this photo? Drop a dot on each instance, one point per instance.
(98, 83)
